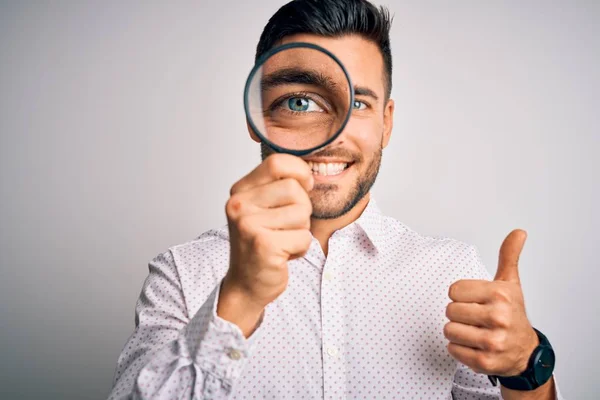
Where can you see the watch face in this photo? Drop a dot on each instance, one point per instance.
(544, 364)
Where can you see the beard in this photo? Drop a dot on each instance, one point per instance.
(326, 199)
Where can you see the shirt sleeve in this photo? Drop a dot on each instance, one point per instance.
(171, 356)
(467, 384)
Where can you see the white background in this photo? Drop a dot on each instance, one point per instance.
(122, 130)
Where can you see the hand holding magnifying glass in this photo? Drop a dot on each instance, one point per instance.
(297, 100)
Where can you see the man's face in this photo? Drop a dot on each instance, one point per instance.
(361, 143)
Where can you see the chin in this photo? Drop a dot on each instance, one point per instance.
(328, 202)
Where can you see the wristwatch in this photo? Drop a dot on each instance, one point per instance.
(539, 368)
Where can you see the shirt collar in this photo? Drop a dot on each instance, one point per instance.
(371, 221)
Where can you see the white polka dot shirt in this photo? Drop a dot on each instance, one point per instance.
(365, 322)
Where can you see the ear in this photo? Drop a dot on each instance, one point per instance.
(388, 122)
(252, 134)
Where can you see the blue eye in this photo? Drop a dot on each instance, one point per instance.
(303, 105)
(298, 104)
(359, 105)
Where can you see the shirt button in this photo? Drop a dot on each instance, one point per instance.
(328, 276)
(332, 351)
(235, 354)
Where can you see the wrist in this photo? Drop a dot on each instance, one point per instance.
(538, 372)
(532, 343)
(236, 306)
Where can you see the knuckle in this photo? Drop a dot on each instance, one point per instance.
(501, 340)
(499, 319)
(450, 347)
(452, 290)
(306, 210)
(307, 238)
(271, 261)
(304, 198)
(305, 241)
(501, 294)
(291, 186)
(288, 214)
(495, 342)
(261, 250)
(505, 309)
(297, 191)
(273, 163)
(306, 170)
(448, 329)
(301, 197)
(234, 188)
(232, 206)
(485, 362)
(489, 343)
(245, 227)
(259, 242)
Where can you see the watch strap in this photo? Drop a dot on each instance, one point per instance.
(526, 380)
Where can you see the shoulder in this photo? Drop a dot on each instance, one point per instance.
(209, 243)
(207, 252)
(399, 231)
(442, 253)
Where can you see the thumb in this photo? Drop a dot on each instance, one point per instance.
(508, 262)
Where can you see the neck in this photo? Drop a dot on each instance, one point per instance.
(322, 229)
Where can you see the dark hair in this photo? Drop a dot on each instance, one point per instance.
(332, 18)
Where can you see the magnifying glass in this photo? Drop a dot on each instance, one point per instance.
(298, 98)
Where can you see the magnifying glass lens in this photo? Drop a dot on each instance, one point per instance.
(298, 99)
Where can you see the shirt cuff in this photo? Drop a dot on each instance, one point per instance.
(557, 393)
(218, 346)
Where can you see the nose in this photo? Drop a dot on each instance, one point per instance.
(343, 130)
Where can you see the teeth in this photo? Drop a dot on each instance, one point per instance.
(327, 168)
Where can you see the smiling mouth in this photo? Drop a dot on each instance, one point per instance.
(327, 169)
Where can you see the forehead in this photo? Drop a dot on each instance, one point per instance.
(361, 57)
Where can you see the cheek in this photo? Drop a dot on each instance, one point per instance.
(365, 133)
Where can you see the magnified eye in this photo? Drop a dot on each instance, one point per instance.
(302, 104)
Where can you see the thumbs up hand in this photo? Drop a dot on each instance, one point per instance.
(488, 329)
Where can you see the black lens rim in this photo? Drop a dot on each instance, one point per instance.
(259, 64)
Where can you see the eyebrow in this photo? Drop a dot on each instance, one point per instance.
(288, 76)
(364, 91)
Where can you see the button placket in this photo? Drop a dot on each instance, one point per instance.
(332, 320)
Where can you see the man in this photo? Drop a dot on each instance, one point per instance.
(311, 292)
